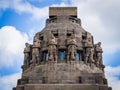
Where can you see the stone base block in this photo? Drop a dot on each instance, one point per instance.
(19, 87)
(62, 87)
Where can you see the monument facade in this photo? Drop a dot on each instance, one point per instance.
(63, 56)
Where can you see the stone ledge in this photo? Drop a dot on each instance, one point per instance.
(63, 87)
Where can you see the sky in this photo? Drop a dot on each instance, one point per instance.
(21, 19)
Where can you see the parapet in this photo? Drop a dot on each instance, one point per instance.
(63, 11)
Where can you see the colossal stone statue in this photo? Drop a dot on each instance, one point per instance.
(27, 51)
(52, 55)
(36, 51)
(88, 44)
(91, 57)
(88, 50)
(99, 55)
(72, 49)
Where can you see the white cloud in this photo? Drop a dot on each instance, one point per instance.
(3, 4)
(101, 18)
(25, 7)
(12, 43)
(66, 1)
(113, 76)
(21, 6)
(8, 82)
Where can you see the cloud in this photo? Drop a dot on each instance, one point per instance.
(101, 18)
(21, 6)
(66, 1)
(3, 4)
(8, 82)
(113, 76)
(12, 43)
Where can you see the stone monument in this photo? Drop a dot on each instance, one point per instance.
(63, 56)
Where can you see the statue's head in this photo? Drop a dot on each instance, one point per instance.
(26, 44)
(52, 36)
(99, 43)
(73, 36)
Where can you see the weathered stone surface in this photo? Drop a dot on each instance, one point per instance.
(56, 11)
(63, 73)
(63, 56)
(64, 87)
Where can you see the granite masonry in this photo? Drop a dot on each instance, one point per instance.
(63, 56)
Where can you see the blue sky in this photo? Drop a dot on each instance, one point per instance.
(21, 19)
